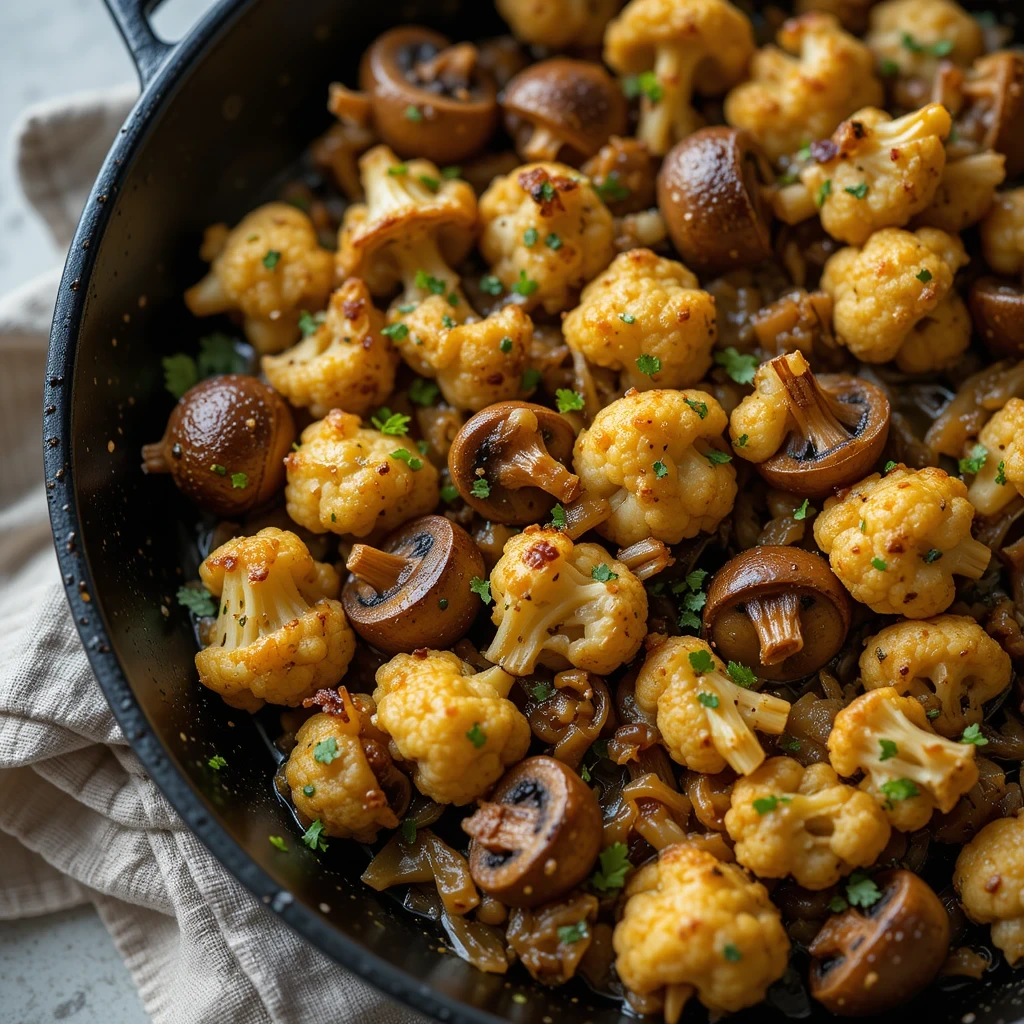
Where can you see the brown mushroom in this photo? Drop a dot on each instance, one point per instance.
(997, 309)
(225, 443)
(780, 610)
(430, 99)
(413, 591)
(711, 192)
(563, 109)
(537, 837)
(509, 462)
(867, 961)
(502, 57)
(841, 424)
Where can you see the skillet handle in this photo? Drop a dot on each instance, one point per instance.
(148, 51)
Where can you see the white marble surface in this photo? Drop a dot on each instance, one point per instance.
(61, 967)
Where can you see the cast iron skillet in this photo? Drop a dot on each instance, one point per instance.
(220, 115)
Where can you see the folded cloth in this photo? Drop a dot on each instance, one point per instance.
(80, 821)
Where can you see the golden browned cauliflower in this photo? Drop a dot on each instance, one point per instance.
(693, 924)
(657, 457)
(790, 99)
(455, 727)
(789, 820)
(1001, 477)
(331, 776)
(706, 720)
(1002, 233)
(344, 363)
(909, 768)
(280, 635)
(546, 233)
(349, 479)
(269, 268)
(676, 48)
(559, 604)
(896, 541)
(911, 37)
(558, 23)
(965, 193)
(644, 303)
(949, 663)
(881, 172)
(910, 312)
(989, 878)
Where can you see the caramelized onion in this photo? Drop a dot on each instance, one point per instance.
(572, 717)
(975, 809)
(534, 935)
(710, 796)
(967, 963)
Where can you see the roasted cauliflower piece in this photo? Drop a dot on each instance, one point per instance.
(965, 194)
(344, 478)
(454, 727)
(706, 720)
(641, 304)
(684, 47)
(562, 604)
(948, 663)
(909, 768)
(1001, 477)
(801, 89)
(558, 23)
(876, 172)
(789, 820)
(1002, 233)
(546, 233)
(333, 768)
(345, 363)
(657, 457)
(911, 311)
(896, 541)
(989, 879)
(693, 924)
(280, 635)
(269, 268)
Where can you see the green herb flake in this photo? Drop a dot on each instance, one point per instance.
(451, 173)
(413, 113)
(940, 48)
(180, 373)
(766, 804)
(531, 378)
(863, 526)
(971, 466)
(861, 890)
(397, 170)
(857, 191)
(887, 749)
(219, 354)
(568, 400)
(482, 588)
(427, 282)
(407, 830)
(490, 285)
(880, 564)
(396, 332)
(547, 192)
(700, 408)
(889, 466)
(611, 190)
(660, 470)
(530, 237)
(449, 492)
(924, 275)
(218, 469)
(627, 318)
(542, 691)
(933, 555)
(447, 322)
(406, 456)
(476, 736)
(790, 743)
(313, 837)
(394, 424)
(645, 84)
(741, 441)
(717, 458)
(326, 750)
(570, 933)
(932, 713)
(899, 789)
(732, 953)
(1001, 473)
(423, 392)
(649, 365)
(525, 285)
(481, 488)
(740, 366)
(701, 661)
(309, 790)
(972, 736)
(309, 323)
(740, 674)
(553, 242)
(888, 68)
(558, 517)
(603, 573)
(217, 762)
(824, 191)
(613, 866)
(837, 905)
(429, 183)
(271, 259)
(239, 481)
(708, 700)
(442, 603)
(279, 843)
(584, 773)
(198, 600)
(804, 510)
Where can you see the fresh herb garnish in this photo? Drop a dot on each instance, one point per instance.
(482, 588)
(603, 573)
(476, 736)
(326, 750)
(406, 456)
(313, 837)
(613, 867)
(271, 259)
(568, 400)
(740, 366)
(972, 736)
(197, 600)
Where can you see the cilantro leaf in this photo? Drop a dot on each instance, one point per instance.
(765, 804)
(649, 365)
(505, 344)
(271, 259)
(700, 408)
(932, 555)
(568, 400)
(427, 282)
(482, 588)
(972, 735)
(449, 493)
(717, 458)
(490, 285)
(217, 762)
(542, 691)
(481, 488)
(404, 455)
(740, 366)
(396, 332)
(408, 831)
(701, 661)
(857, 191)
(924, 276)
(239, 481)
(837, 905)
(880, 564)
(614, 866)
(824, 191)
(603, 574)
(1001, 473)
(660, 470)
(309, 323)
(525, 285)
(861, 890)
(198, 600)
(740, 674)
(217, 354)
(804, 510)
(899, 789)
(530, 237)
(278, 842)
(558, 517)
(391, 423)
(973, 463)
(708, 700)
(732, 953)
(180, 373)
(313, 837)
(531, 378)
(888, 749)
(695, 579)
(644, 84)
(611, 190)
(627, 318)
(476, 736)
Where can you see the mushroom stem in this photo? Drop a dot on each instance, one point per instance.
(817, 416)
(154, 458)
(544, 144)
(379, 569)
(533, 466)
(348, 106)
(502, 827)
(585, 514)
(453, 66)
(646, 558)
(777, 621)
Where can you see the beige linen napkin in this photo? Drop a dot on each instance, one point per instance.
(79, 819)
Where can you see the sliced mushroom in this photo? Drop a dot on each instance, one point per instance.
(413, 591)
(430, 99)
(225, 444)
(563, 109)
(646, 558)
(779, 610)
(711, 192)
(867, 961)
(537, 837)
(509, 462)
(997, 308)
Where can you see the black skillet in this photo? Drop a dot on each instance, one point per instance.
(221, 114)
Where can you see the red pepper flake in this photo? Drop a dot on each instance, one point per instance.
(894, 154)
(993, 883)
(331, 702)
(536, 556)
(352, 308)
(421, 653)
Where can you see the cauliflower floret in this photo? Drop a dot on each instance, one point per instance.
(909, 768)
(911, 289)
(705, 719)
(653, 456)
(330, 773)
(688, 46)
(788, 820)
(693, 923)
(346, 363)
(1001, 477)
(455, 726)
(882, 171)
(558, 23)
(912, 36)
(1002, 233)
(560, 604)
(573, 233)
(896, 541)
(269, 269)
(989, 878)
(349, 479)
(280, 636)
(789, 99)
(965, 193)
(949, 663)
(645, 304)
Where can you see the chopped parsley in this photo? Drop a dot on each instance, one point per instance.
(397, 170)
(423, 392)
(239, 481)
(627, 318)
(732, 953)
(530, 237)
(701, 662)
(505, 344)
(880, 564)
(553, 242)
(279, 843)
(451, 173)
(198, 600)
(542, 691)
(898, 789)
(717, 458)
(888, 68)
(804, 510)
(857, 191)
(217, 762)
(397, 332)
(431, 184)
(408, 831)
(180, 373)
(741, 441)
(603, 573)
(476, 736)
(1001, 473)
(861, 890)
(700, 408)
(218, 469)
(824, 191)
(309, 790)
(447, 322)
(309, 322)
(481, 488)
(271, 259)
(558, 517)
(889, 466)
(313, 837)
(645, 84)
(924, 275)
(932, 713)
(888, 749)
(449, 493)
(863, 526)
(413, 113)
(547, 192)
(482, 588)
(531, 378)
(649, 365)
(708, 700)
(453, 299)
(933, 555)
(406, 456)
(428, 282)
(740, 674)
(972, 736)
(740, 366)
(973, 463)
(613, 867)
(660, 470)
(765, 804)
(789, 743)
(491, 285)
(570, 933)
(525, 285)
(940, 48)
(326, 750)
(568, 400)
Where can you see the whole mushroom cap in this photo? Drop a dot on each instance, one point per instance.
(997, 309)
